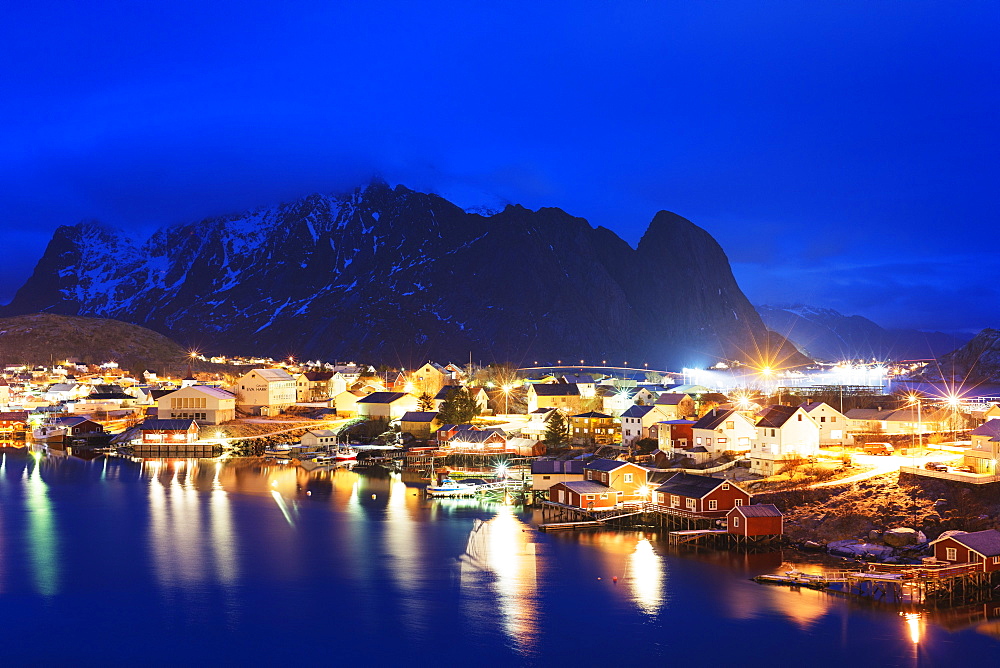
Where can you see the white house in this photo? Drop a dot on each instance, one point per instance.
(783, 433)
(204, 404)
(319, 438)
(832, 423)
(637, 421)
(266, 391)
(721, 430)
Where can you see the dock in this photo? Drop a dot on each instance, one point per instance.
(919, 585)
(569, 526)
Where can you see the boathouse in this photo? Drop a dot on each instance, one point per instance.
(759, 519)
(547, 472)
(626, 478)
(584, 494)
(977, 547)
(76, 425)
(153, 431)
(699, 495)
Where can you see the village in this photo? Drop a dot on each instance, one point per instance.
(743, 470)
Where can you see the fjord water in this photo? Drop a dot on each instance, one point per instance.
(113, 562)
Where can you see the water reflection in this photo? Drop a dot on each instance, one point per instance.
(501, 547)
(177, 536)
(645, 577)
(43, 544)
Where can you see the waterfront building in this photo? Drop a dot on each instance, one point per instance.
(319, 438)
(547, 472)
(207, 405)
(977, 547)
(758, 519)
(584, 494)
(155, 431)
(832, 424)
(419, 424)
(699, 495)
(265, 391)
(593, 428)
(719, 431)
(784, 434)
(627, 479)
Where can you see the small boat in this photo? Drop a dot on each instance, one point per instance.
(449, 487)
(344, 454)
(278, 451)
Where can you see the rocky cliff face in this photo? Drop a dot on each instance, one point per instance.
(828, 335)
(976, 361)
(388, 274)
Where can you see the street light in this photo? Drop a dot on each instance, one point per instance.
(506, 393)
(915, 399)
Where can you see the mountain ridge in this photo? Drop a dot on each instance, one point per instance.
(391, 274)
(831, 336)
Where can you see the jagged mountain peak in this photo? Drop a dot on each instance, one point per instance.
(394, 274)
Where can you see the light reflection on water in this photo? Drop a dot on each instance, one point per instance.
(44, 545)
(372, 548)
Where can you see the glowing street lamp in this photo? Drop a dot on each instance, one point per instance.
(915, 399)
(506, 389)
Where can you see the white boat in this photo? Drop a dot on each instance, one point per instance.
(344, 454)
(449, 487)
(278, 451)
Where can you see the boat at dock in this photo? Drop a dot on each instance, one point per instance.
(794, 579)
(344, 454)
(453, 488)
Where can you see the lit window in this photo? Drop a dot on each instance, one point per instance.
(725, 485)
(950, 554)
(736, 520)
(713, 504)
(628, 477)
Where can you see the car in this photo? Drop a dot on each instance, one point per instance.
(936, 466)
(879, 449)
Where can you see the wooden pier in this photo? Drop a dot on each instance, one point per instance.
(901, 585)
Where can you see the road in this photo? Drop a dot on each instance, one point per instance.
(882, 465)
(300, 424)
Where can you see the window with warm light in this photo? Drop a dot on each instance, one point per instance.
(950, 554)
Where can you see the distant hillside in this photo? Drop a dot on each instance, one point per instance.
(828, 335)
(977, 361)
(44, 338)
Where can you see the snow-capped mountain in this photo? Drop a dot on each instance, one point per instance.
(399, 276)
(829, 335)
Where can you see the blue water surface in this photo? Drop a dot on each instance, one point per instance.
(115, 562)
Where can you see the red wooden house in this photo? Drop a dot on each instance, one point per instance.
(978, 547)
(584, 494)
(77, 425)
(759, 519)
(13, 420)
(168, 431)
(700, 495)
(626, 478)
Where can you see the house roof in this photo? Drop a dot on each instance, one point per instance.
(670, 398)
(557, 466)
(71, 420)
(419, 416)
(273, 375)
(557, 390)
(592, 414)
(691, 486)
(713, 418)
(476, 435)
(758, 510)
(986, 543)
(636, 411)
(810, 406)
(990, 428)
(776, 416)
(318, 376)
(166, 425)
(382, 397)
(586, 487)
(578, 378)
(322, 432)
(677, 422)
(606, 464)
(103, 396)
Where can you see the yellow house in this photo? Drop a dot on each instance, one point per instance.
(201, 403)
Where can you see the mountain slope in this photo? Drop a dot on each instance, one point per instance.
(976, 361)
(388, 274)
(43, 338)
(828, 335)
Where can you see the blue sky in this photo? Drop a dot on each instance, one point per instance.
(844, 154)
